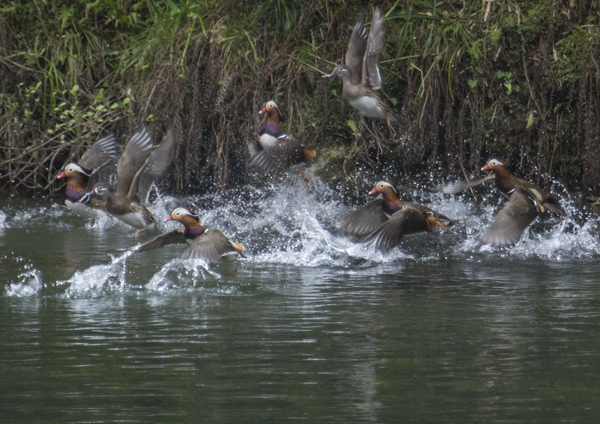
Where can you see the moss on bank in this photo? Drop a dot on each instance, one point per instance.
(469, 79)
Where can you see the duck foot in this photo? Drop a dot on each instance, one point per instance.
(442, 226)
(390, 125)
(138, 232)
(304, 176)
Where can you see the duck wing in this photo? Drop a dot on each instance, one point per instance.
(136, 153)
(101, 151)
(407, 220)
(154, 168)
(175, 236)
(442, 219)
(458, 187)
(101, 173)
(211, 246)
(375, 44)
(511, 221)
(286, 153)
(538, 194)
(356, 50)
(365, 220)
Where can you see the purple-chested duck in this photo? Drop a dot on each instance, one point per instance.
(204, 243)
(279, 151)
(387, 219)
(83, 174)
(525, 202)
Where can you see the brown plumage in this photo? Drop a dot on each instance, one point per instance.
(386, 220)
(95, 165)
(137, 169)
(360, 75)
(511, 221)
(280, 151)
(205, 243)
(526, 201)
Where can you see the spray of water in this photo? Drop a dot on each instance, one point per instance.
(289, 223)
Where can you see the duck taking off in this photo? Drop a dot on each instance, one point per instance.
(387, 219)
(204, 243)
(137, 169)
(280, 151)
(525, 202)
(95, 164)
(361, 77)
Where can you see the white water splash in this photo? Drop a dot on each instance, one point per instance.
(29, 284)
(295, 224)
(181, 273)
(99, 279)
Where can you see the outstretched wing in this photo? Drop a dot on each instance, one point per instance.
(210, 246)
(366, 219)
(511, 221)
(153, 169)
(458, 187)
(100, 152)
(370, 71)
(101, 173)
(175, 236)
(136, 153)
(284, 154)
(356, 50)
(407, 220)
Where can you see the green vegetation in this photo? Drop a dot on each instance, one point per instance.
(468, 79)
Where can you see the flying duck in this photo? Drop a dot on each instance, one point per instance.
(360, 75)
(204, 243)
(525, 202)
(137, 169)
(280, 151)
(387, 219)
(83, 174)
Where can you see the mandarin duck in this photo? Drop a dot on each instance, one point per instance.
(83, 174)
(280, 150)
(526, 201)
(137, 169)
(204, 243)
(386, 219)
(360, 75)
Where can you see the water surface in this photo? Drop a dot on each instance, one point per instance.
(311, 326)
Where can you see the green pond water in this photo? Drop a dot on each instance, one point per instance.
(310, 327)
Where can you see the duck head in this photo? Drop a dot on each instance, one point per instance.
(183, 215)
(103, 190)
(190, 221)
(388, 191)
(272, 110)
(71, 169)
(497, 167)
(341, 71)
(391, 202)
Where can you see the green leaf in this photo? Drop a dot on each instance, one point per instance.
(530, 120)
(472, 83)
(352, 125)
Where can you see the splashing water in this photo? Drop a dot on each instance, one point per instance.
(288, 223)
(29, 284)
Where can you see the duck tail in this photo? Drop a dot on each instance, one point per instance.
(309, 155)
(238, 248)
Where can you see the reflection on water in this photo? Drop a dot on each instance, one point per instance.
(310, 326)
